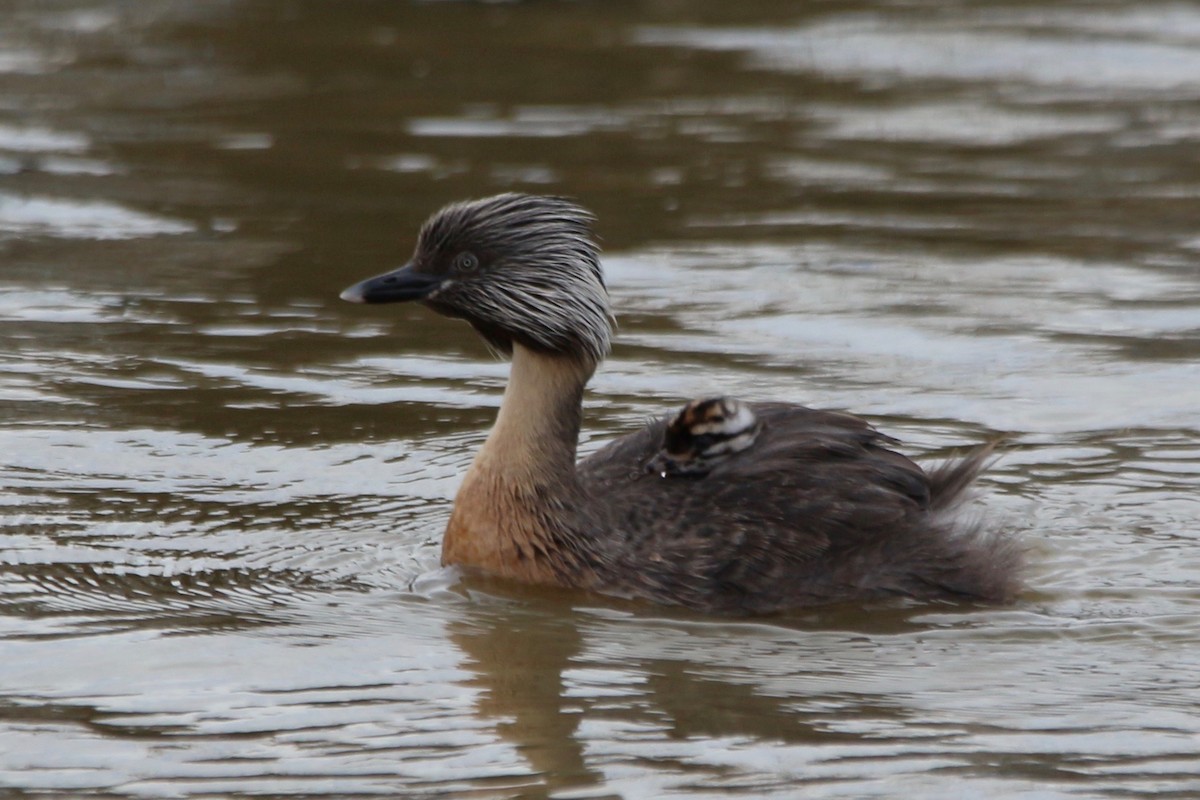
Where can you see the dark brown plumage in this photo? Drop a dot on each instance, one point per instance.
(818, 510)
(815, 508)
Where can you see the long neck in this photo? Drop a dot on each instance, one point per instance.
(519, 510)
(537, 429)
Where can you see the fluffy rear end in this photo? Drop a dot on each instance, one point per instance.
(979, 562)
(949, 482)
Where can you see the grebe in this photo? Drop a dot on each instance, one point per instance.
(817, 510)
(704, 433)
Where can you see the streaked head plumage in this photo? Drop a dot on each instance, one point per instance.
(520, 268)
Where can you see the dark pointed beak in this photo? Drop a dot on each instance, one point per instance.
(394, 287)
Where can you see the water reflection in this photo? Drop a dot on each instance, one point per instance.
(519, 661)
(770, 708)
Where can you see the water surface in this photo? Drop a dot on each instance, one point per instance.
(222, 490)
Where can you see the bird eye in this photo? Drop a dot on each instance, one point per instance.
(466, 262)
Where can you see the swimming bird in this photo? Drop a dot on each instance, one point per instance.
(819, 509)
(703, 433)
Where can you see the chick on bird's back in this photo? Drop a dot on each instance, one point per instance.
(704, 433)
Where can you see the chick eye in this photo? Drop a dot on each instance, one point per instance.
(466, 262)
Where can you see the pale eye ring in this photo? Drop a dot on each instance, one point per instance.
(466, 262)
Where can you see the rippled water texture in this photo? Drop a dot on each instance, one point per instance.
(222, 490)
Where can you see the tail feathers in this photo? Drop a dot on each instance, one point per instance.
(981, 563)
(949, 482)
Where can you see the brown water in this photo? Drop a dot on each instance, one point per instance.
(221, 489)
